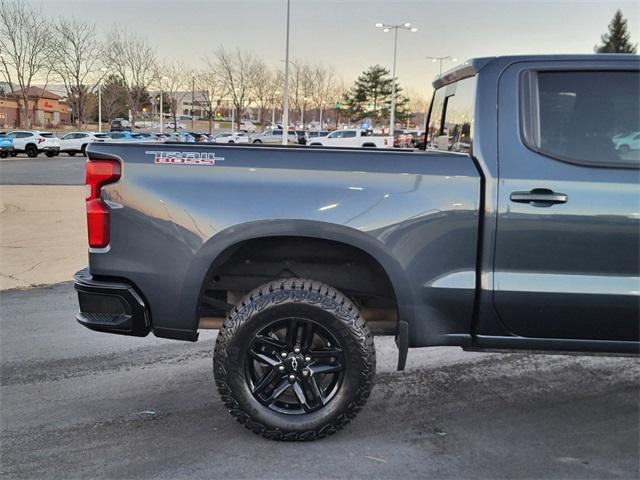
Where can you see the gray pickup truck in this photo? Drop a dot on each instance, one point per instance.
(517, 228)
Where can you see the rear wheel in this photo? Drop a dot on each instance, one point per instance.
(31, 151)
(294, 360)
(4, 154)
(13, 154)
(50, 154)
(257, 141)
(71, 154)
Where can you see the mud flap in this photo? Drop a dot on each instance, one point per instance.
(402, 341)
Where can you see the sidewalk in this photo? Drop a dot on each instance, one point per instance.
(43, 236)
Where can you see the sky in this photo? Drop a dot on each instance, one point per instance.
(342, 34)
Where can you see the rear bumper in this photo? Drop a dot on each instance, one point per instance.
(113, 307)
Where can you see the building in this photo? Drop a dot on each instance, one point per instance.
(48, 110)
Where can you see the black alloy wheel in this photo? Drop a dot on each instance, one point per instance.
(294, 360)
(294, 366)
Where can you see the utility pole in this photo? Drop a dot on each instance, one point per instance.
(285, 108)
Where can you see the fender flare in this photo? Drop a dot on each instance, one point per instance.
(220, 242)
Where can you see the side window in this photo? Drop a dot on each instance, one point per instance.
(336, 135)
(68, 136)
(348, 134)
(587, 117)
(450, 125)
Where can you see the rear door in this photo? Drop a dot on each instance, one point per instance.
(567, 261)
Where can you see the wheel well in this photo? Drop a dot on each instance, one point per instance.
(249, 264)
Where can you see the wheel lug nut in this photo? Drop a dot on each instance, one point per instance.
(296, 350)
(305, 372)
(307, 359)
(281, 368)
(283, 354)
(292, 378)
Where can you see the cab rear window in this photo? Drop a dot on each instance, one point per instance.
(588, 117)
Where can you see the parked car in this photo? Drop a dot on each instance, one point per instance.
(6, 145)
(526, 241)
(625, 142)
(120, 125)
(76, 142)
(355, 137)
(175, 126)
(247, 126)
(34, 142)
(302, 137)
(317, 133)
(180, 137)
(121, 137)
(146, 136)
(274, 136)
(199, 137)
(231, 137)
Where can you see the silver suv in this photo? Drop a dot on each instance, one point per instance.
(274, 136)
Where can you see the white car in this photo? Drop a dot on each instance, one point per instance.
(231, 137)
(76, 142)
(355, 137)
(34, 142)
(625, 142)
(173, 126)
(247, 126)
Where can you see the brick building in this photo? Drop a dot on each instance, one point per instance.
(48, 109)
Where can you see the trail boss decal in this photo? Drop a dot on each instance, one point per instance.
(184, 158)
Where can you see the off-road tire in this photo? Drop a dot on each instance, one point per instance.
(333, 311)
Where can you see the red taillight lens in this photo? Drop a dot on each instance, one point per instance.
(99, 173)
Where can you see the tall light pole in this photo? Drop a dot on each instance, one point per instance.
(285, 92)
(440, 60)
(387, 28)
(103, 69)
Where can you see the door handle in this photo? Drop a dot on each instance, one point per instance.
(539, 197)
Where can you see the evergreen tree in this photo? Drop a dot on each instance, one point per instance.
(370, 96)
(618, 39)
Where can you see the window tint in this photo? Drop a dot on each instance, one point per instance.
(348, 134)
(451, 117)
(336, 135)
(587, 117)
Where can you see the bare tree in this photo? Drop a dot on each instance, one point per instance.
(134, 61)
(174, 77)
(75, 56)
(417, 107)
(301, 86)
(324, 83)
(236, 71)
(24, 38)
(263, 85)
(208, 83)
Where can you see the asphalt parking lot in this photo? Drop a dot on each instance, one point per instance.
(80, 404)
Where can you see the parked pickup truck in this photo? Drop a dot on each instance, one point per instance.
(355, 137)
(517, 229)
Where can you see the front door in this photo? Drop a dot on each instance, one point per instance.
(567, 261)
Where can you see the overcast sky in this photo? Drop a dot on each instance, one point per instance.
(342, 33)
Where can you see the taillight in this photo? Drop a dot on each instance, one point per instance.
(99, 173)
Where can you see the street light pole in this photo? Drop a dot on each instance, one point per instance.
(285, 93)
(440, 60)
(387, 28)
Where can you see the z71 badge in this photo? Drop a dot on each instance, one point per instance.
(184, 158)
